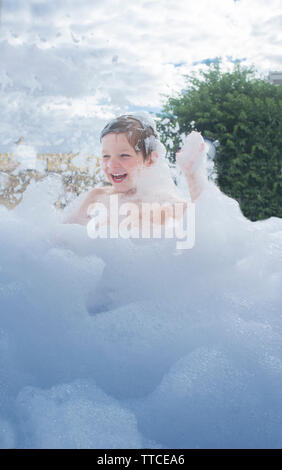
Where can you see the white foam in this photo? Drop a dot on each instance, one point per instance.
(76, 415)
(115, 343)
(192, 152)
(155, 181)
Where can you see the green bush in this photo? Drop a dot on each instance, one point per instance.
(244, 113)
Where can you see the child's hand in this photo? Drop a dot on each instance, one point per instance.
(190, 157)
(191, 161)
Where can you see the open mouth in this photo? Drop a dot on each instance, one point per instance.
(118, 178)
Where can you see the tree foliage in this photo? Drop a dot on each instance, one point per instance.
(244, 113)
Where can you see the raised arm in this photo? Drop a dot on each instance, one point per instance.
(191, 161)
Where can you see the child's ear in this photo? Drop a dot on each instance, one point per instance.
(152, 158)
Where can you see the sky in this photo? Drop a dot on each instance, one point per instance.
(67, 67)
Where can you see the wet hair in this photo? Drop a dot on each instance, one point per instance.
(140, 134)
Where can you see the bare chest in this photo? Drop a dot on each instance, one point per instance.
(116, 209)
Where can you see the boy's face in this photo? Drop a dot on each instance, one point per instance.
(121, 163)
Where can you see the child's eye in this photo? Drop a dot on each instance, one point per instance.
(125, 155)
(106, 156)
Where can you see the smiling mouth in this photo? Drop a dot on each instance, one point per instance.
(118, 178)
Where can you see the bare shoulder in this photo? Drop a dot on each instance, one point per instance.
(80, 216)
(94, 194)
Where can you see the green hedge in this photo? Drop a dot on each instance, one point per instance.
(244, 113)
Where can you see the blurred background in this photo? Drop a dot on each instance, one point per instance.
(67, 67)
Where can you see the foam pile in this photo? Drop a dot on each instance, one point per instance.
(119, 343)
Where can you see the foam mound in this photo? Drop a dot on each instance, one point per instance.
(124, 344)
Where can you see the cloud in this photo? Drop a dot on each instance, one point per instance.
(58, 57)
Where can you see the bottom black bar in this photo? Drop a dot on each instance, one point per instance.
(133, 458)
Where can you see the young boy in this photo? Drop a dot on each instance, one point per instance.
(129, 151)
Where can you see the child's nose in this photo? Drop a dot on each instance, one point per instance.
(114, 164)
